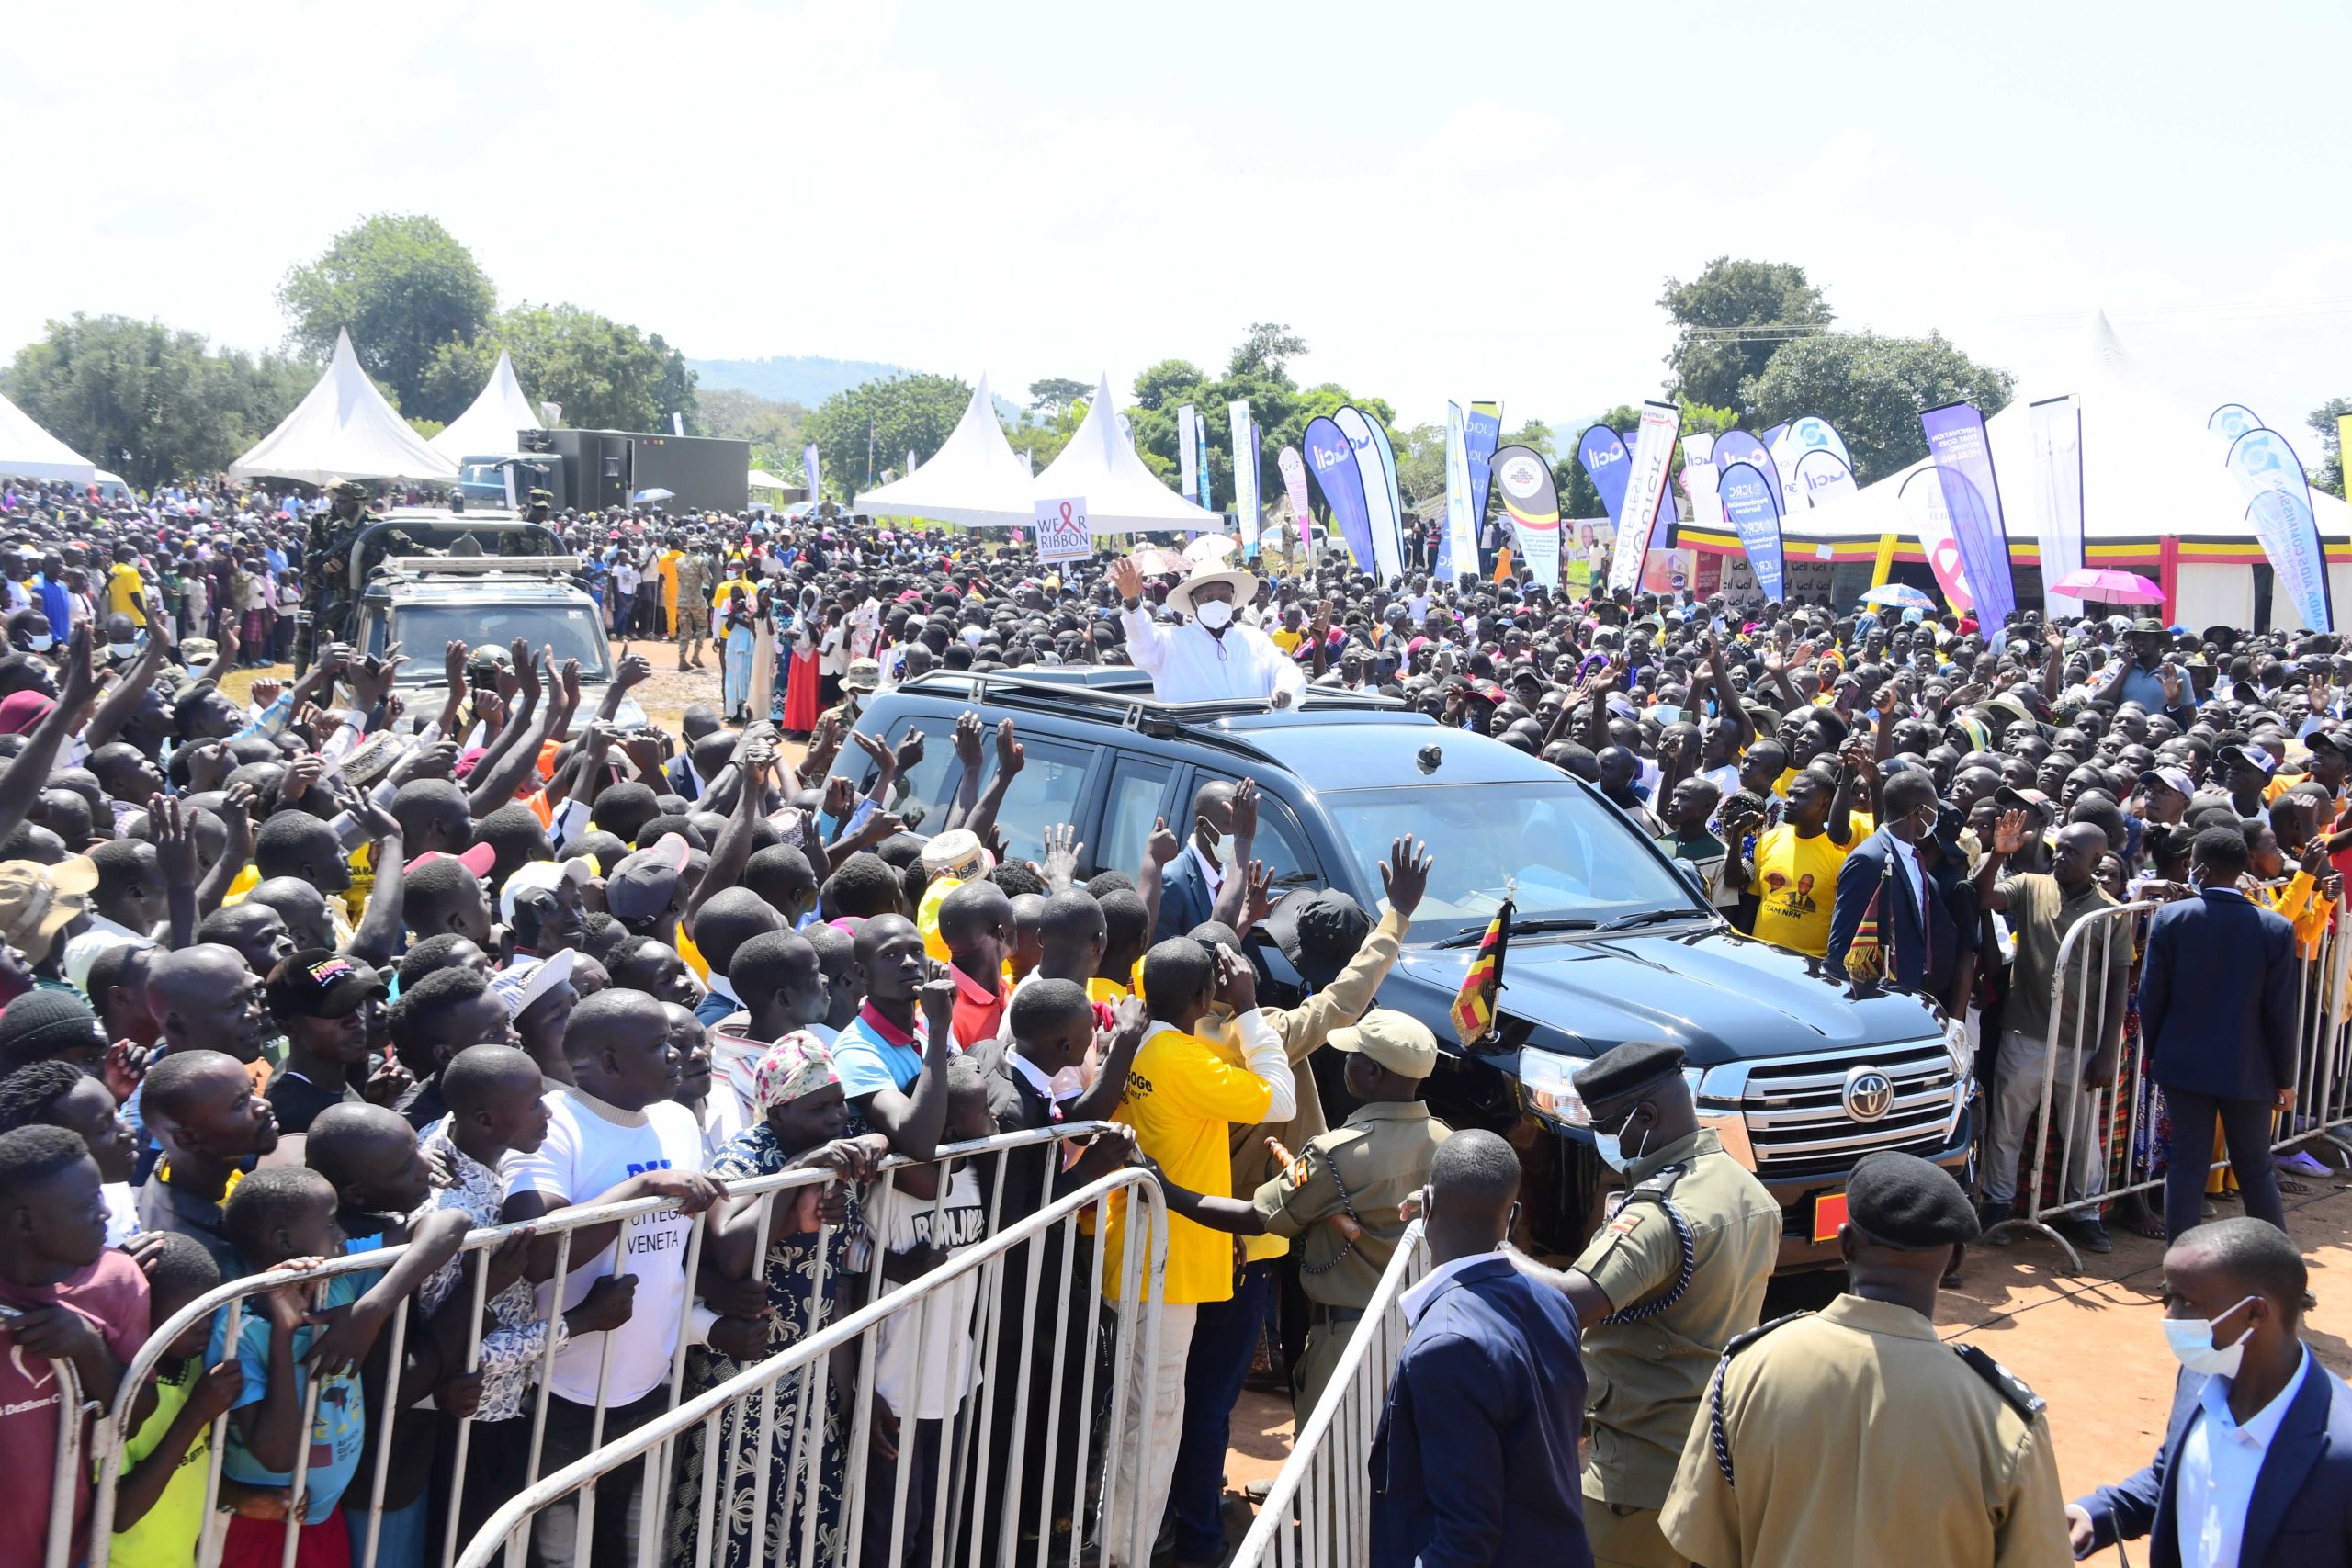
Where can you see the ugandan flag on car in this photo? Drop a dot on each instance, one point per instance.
(1474, 1004)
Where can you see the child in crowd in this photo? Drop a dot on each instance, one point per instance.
(159, 1502)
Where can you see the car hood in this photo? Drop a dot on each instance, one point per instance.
(1720, 995)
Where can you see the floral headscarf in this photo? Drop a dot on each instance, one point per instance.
(794, 1066)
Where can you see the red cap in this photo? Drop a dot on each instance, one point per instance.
(478, 860)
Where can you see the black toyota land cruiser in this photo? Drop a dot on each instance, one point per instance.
(1609, 941)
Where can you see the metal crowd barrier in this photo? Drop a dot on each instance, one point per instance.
(1145, 1265)
(2122, 1155)
(65, 1480)
(1318, 1512)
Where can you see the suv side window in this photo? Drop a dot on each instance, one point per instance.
(1135, 801)
(920, 796)
(1282, 845)
(1049, 789)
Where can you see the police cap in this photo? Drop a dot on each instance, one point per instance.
(1618, 1074)
(1900, 1201)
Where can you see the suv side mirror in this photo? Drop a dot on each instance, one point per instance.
(1698, 882)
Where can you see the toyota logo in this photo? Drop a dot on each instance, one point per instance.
(1869, 1094)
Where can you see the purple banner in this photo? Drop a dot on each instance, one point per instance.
(1606, 462)
(1956, 440)
(1739, 447)
(1749, 507)
(1333, 463)
(1482, 431)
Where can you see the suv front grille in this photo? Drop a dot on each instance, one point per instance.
(1799, 1126)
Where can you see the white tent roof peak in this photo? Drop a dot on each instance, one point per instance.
(29, 452)
(973, 478)
(1100, 466)
(491, 423)
(343, 430)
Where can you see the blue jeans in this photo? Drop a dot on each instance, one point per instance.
(1224, 1342)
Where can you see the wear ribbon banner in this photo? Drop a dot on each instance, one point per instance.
(1294, 470)
(1645, 491)
(1532, 499)
(2279, 502)
(2056, 427)
(1245, 477)
(1602, 452)
(1922, 497)
(1963, 460)
(1461, 544)
(1746, 492)
(1387, 538)
(1332, 460)
(1482, 430)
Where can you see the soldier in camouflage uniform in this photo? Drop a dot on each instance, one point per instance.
(325, 563)
(694, 581)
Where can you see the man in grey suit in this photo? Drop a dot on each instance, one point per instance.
(2218, 989)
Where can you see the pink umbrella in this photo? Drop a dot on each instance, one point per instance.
(2108, 587)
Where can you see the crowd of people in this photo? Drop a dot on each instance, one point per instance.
(287, 979)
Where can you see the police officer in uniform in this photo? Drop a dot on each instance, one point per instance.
(1855, 1434)
(325, 563)
(695, 583)
(1676, 1274)
(1339, 1203)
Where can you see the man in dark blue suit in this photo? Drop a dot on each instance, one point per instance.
(1190, 887)
(2256, 1463)
(2217, 989)
(1476, 1461)
(1924, 943)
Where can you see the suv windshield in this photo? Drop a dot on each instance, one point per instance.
(422, 630)
(1574, 856)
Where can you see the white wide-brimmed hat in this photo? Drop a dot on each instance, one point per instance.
(1244, 586)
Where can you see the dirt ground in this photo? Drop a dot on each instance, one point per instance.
(2089, 1346)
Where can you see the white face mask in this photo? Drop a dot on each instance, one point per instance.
(2193, 1345)
(1215, 615)
(1611, 1148)
(39, 642)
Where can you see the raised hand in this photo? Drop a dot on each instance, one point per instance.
(1257, 900)
(1062, 850)
(1127, 579)
(1163, 846)
(174, 844)
(970, 735)
(1405, 875)
(937, 996)
(1009, 755)
(1245, 809)
(2008, 832)
(453, 662)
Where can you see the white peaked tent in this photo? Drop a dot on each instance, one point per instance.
(2151, 472)
(1100, 467)
(973, 478)
(343, 430)
(29, 452)
(491, 423)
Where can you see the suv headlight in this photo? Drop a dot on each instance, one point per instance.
(1550, 1081)
(1962, 1050)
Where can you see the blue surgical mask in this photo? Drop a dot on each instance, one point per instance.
(2192, 1344)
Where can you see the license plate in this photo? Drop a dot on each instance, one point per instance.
(1829, 1213)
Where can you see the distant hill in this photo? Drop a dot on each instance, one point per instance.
(806, 379)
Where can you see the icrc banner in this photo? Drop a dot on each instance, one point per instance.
(1956, 440)
(1332, 460)
(2278, 502)
(1645, 489)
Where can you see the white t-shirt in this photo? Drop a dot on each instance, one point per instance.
(948, 1373)
(591, 1148)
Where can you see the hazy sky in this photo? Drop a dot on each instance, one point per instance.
(1445, 201)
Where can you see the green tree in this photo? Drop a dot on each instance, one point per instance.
(2328, 475)
(404, 288)
(1267, 351)
(606, 375)
(1055, 393)
(772, 425)
(1733, 318)
(1873, 390)
(1579, 498)
(1279, 407)
(149, 402)
(1043, 435)
(871, 427)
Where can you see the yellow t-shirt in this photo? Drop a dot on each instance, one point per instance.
(1108, 992)
(1181, 1095)
(1796, 886)
(126, 595)
(927, 915)
(666, 565)
(1286, 638)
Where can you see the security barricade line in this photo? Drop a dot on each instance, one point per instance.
(233, 1300)
(1318, 1512)
(73, 1415)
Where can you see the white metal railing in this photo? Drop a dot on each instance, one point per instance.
(2137, 1163)
(1318, 1513)
(65, 1480)
(991, 1156)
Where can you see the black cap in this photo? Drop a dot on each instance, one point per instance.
(1900, 1201)
(318, 983)
(1627, 1069)
(1318, 930)
(46, 1024)
(2330, 740)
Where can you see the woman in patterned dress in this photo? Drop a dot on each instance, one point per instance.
(809, 1264)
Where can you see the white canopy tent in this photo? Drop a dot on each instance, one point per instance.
(492, 423)
(343, 430)
(2151, 472)
(973, 478)
(762, 479)
(1123, 496)
(29, 452)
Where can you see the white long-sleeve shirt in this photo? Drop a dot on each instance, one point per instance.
(1188, 665)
